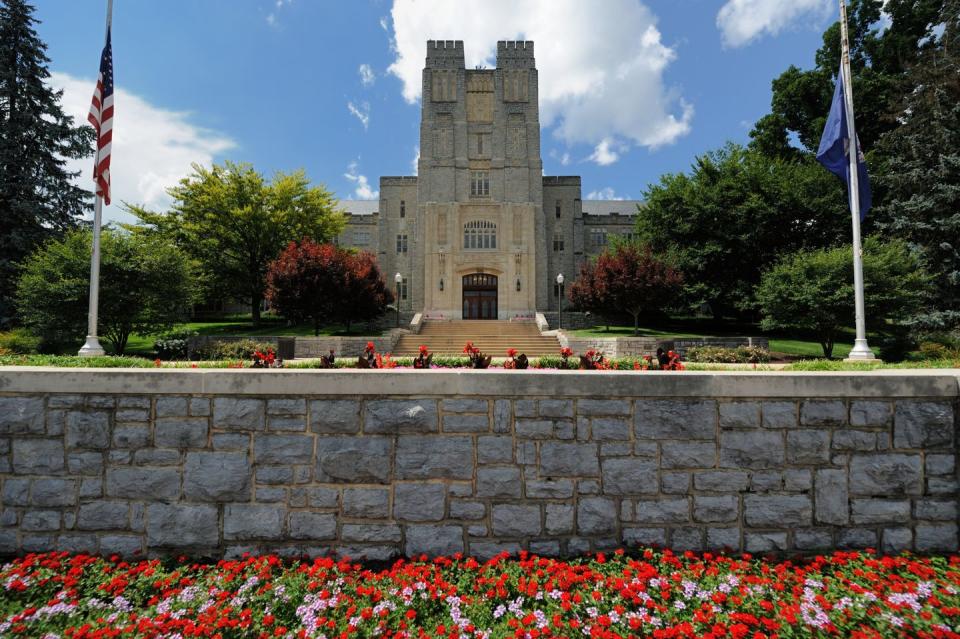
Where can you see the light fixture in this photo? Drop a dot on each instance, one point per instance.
(441, 283)
(518, 283)
(560, 301)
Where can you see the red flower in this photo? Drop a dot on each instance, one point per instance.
(157, 362)
(566, 352)
(423, 350)
(511, 352)
(370, 346)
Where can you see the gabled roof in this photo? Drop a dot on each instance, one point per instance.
(606, 207)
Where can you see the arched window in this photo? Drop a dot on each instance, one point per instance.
(480, 234)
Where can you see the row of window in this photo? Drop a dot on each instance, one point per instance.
(481, 234)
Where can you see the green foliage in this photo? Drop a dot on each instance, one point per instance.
(734, 215)
(233, 223)
(145, 283)
(73, 361)
(724, 355)
(232, 350)
(174, 344)
(813, 290)
(919, 171)
(39, 198)
(19, 341)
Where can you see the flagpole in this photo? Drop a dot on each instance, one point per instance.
(92, 348)
(861, 350)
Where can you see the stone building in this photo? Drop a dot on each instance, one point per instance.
(480, 232)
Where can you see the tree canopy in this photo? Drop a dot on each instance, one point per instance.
(38, 196)
(233, 223)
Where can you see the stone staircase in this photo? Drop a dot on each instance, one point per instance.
(493, 337)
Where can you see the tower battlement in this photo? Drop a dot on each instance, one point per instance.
(515, 54)
(444, 49)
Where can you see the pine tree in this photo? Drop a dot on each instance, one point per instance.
(920, 171)
(38, 197)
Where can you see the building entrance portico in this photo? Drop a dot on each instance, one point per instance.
(480, 296)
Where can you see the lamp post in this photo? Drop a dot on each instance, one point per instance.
(398, 279)
(560, 301)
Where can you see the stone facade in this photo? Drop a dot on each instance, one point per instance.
(378, 464)
(480, 163)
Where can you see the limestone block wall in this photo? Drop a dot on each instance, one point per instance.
(378, 464)
(640, 346)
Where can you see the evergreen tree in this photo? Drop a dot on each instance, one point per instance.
(38, 198)
(919, 174)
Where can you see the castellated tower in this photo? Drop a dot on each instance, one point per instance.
(479, 192)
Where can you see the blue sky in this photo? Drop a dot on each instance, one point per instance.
(629, 89)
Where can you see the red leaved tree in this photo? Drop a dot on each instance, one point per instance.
(628, 279)
(365, 296)
(305, 282)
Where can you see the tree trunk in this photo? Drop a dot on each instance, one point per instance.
(255, 309)
(826, 342)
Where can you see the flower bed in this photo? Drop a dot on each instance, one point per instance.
(656, 594)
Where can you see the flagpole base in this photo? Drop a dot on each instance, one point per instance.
(861, 353)
(91, 348)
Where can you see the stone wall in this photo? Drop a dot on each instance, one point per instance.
(640, 346)
(377, 464)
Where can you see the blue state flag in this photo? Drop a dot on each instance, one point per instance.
(834, 151)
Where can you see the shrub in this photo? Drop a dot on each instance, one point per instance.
(19, 341)
(174, 345)
(237, 349)
(725, 355)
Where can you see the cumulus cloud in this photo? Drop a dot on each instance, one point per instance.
(367, 76)
(743, 21)
(363, 190)
(153, 147)
(607, 152)
(604, 194)
(601, 70)
(416, 160)
(361, 111)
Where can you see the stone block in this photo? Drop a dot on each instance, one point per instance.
(766, 481)
(393, 416)
(940, 464)
(104, 515)
(675, 483)
(156, 457)
(182, 526)
(609, 429)
(172, 406)
(216, 476)
(287, 423)
(321, 497)
(53, 492)
(777, 511)
(515, 520)
(132, 437)
(499, 481)
(40, 521)
(461, 405)
(942, 486)
(370, 533)
(534, 428)
(37, 543)
(751, 449)
(569, 459)
(739, 415)
(936, 537)
(38, 456)
(549, 488)
(675, 419)
(936, 509)
(896, 540)
(662, 511)
(123, 545)
(596, 516)
(797, 479)
(21, 415)
(808, 446)
(721, 481)
(88, 429)
(688, 455)
(845, 439)
(880, 511)
(86, 462)
(77, 543)
(592, 407)
(200, 406)
(252, 521)
(231, 441)
(433, 540)
(628, 476)
(282, 449)
(91, 487)
(502, 420)
(275, 475)
(716, 508)
(870, 414)
(335, 416)
(287, 406)
(313, 526)
(690, 538)
(132, 415)
(467, 510)
(271, 494)
(466, 423)
(419, 501)
(823, 412)
(494, 449)
(765, 542)
(484, 550)
(615, 449)
(434, 457)
(545, 548)
(885, 474)
(923, 425)
(181, 432)
(556, 408)
(779, 414)
(232, 413)
(645, 536)
(149, 484)
(812, 539)
(366, 503)
(723, 538)
(353, 459)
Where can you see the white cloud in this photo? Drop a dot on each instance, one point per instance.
(384, 24)
(367, 76)
(361, 112)
(742, 21)
(363, 190)
(607, 152)
(563, 158)
(600, 66)
(272, 16)
(604, 194)
(272, 19)
(416, 160)
(153, 148)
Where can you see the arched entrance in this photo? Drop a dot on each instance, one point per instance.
(480, 296)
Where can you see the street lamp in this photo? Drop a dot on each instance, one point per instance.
(398, 279)
(560, 301)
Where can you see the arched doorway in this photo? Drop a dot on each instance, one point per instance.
(480, 296)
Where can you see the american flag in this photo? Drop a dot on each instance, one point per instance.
(101, 117)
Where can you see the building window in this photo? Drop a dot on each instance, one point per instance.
(479, 183)
(598, 237)
(558, 209)
(361, 238)
(403, 209)
(402, 243)
(480, 144)
(479, 234)
(628, 237)
(558, 242)
(403, 289)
